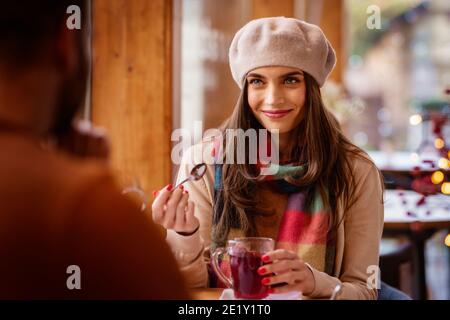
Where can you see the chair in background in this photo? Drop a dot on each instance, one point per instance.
(396, 265)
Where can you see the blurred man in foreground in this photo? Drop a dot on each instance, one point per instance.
(66, 232)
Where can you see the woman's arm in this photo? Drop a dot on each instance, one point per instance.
(189, 251)
(363, 226)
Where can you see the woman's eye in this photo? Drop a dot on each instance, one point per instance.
(291, 80)
(255, 82)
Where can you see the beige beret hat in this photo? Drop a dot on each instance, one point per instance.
(281, 41)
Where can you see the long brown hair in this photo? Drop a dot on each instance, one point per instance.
(317, 142)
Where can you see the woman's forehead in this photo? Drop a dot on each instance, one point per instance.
(274, 71)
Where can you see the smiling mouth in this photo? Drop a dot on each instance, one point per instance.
(276, 114)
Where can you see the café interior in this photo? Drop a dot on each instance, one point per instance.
(161, 65)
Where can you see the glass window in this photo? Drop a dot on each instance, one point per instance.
(397, 74)
(207, 90)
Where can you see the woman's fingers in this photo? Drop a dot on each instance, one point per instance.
(171, 208)
(159, 204)
(291, 277)
(180, 216)
(279, 254)
(281, 266)
(288, 271)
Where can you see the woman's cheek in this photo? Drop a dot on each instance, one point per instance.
(252, 100)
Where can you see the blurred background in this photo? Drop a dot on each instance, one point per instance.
(161, 65)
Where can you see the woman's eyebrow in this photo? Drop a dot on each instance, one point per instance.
(290, 74)
(255, 75)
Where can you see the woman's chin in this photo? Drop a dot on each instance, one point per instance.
(279, 130)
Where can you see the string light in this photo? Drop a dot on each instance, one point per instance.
(437, 177)
(447, 240)
(444, 163)
(439, 143)
(445, 188)
(415, 119)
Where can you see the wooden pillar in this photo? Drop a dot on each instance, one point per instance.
(217, 110)
(272, 8)
(131, 86)
(332, 24)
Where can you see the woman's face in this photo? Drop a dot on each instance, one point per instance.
(276, 96)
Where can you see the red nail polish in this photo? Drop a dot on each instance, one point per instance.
(169, 187)
(265, 281)
(265, 258)
(262, 270)
(155, 193)
(181, 187)
(270, 290)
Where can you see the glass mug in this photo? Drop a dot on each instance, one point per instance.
(245, 260)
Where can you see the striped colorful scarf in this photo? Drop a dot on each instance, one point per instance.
(302, 230)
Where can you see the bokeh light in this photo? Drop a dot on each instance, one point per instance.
(445, 188)
(415, 119)
(447, 240)
(444, 163)
(437, 177)
(439, 143)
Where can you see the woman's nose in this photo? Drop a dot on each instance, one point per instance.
(273, 95)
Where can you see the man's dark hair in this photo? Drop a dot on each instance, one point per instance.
(28, 30)
(26, 25)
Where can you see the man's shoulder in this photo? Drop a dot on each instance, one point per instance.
(73, 172)
(48, 177)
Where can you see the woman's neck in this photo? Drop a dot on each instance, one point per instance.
(284, 146)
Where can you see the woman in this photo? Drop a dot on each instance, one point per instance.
(323, 207)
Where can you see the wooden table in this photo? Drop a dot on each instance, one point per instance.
(206, 293)
(209, 294)
(426, 221)
(396, 217)
(396, 222)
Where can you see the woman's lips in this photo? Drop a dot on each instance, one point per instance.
(276, 114)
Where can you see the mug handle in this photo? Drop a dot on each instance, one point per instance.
(215, 264)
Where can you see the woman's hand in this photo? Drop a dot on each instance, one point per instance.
(173, 210)
(284, 268)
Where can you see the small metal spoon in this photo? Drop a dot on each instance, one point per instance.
(197, 173)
